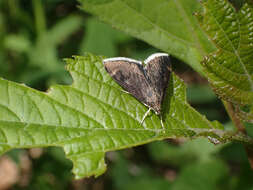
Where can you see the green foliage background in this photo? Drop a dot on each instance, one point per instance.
(35, 36)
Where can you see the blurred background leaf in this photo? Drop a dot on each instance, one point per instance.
(101, 39)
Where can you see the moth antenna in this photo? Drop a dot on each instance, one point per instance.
(145, 115)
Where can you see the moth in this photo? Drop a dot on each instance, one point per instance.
(147, 81)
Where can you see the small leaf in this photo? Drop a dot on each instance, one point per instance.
(166, 25)
(94, 116)
(230, 68)
(19, 43)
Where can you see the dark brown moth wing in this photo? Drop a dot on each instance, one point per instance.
(130, 76)
(158, 70)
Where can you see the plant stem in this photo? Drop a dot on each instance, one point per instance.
(241, 128)
(40, 20)
(232, 114)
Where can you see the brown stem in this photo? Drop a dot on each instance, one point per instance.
(232, 114)
(239, 125)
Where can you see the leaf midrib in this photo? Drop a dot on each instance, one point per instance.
(197, 130)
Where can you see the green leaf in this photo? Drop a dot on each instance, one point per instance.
(198, 94)
(93, 116)
(230, 68)
(19, 43)
(167, 25)
(64, 28)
